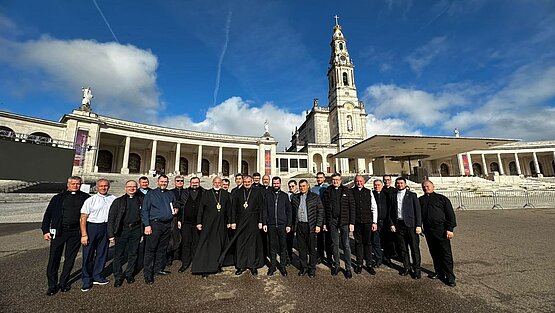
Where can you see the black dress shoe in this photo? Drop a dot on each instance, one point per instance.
(302, 272)
(271, 271)
(149, 281)
(163, 272)
(283, 271)
(254, 271)
(348, 274)
(371, 270)
(239, 271)
(52, 291)
(417, 274)
(118, 283)
(404, 272)
(451, 283)
(358, 269)
(433, 276)
(130, 280)
(65, 288)
(183, 268)
(334, 271)
(311, 274)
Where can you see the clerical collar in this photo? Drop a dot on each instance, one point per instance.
(73, 192)
(359, 188)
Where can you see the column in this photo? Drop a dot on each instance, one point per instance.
(517, 162)
(199, 161)
(177, 157)
(220, 151)
(258, 158)
(153, 157)
(484, 165)
(125, 163)
(536, 164)
(501, 170)
(239, 159)
(470, 167)
(461, 165)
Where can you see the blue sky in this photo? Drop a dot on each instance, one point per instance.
(421, 67)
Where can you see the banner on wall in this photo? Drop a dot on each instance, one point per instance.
(268, 162)
(79, 145)
(466, 165)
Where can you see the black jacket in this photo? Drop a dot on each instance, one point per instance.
(412, 215)
(437, 211)
(117, 213)
(382, 200)
(363, 205)
(343, 215)
(53, 215)
(188, 208)
(277, 209)
(314, 207)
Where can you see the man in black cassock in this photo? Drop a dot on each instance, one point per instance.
(212, 224)
(247, 212)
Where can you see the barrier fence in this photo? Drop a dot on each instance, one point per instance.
(506, 199)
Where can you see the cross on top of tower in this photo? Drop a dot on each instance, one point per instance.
(336, 20)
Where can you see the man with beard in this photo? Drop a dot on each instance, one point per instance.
(276, 220)
(175, 238)
(60, 226)
(157, 214)
(211, 223)
(266, 182)
(366, 223)
(190, 200)
(247, 205)
(406, 222)
(339, 205)
(438, 218)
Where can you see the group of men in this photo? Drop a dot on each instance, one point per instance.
(246, 227)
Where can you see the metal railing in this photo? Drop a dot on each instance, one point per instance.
(506, 199)
(34, 139)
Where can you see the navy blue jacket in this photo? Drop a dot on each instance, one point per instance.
(277, 213)
(156, 205)
(412, 215)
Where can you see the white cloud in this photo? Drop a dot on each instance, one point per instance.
(125, 74)
(238, 117)
(388, 126)
(424, 55)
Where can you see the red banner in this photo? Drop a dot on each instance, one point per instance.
(466, 166)
(268, 162)
(80, 147)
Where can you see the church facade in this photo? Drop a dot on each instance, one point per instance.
(105, 144)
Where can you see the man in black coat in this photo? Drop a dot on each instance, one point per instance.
(438, 218)
(189, 203)
(60, 226)
(388, 239)
(308, 218)
(339, 205)
(382, 201)
(366, 223)
(406, 221)
(276, 221)
(124, 229)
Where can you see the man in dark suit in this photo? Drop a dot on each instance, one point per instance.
(308, 218)
(382, 202)
(406, 221)
(439, 222)
(60, 226)
(339, 206)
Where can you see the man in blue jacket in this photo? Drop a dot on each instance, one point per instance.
(157, 214)
(276, 220)
(60, 226)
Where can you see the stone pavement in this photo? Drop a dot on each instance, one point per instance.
(503, 260)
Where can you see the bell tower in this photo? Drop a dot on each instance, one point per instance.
(347, 113)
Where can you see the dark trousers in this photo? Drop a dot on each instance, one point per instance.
(127, 246)
(376, 244)
(189, 242)
(278, 243)
(94, 253)
(407, 238)
(155, 247)
(363, 243)
(71, 240)
(325, 251)
(388, 242)
(340, 233)
(306, 240)
(440, 250)
(290, 238)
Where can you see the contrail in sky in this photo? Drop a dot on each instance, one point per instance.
(105, 20)
(224, 49)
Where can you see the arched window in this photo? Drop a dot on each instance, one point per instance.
(39, 137)
(183, 166)
(6, 132)
(444, 169)
(205, 167)
(104, 161)
(244, 167)
(341, 46)
(134, 163)
(512, 168)
(225, 167)
(477, 168)
(494, 167)
(160, 165)
(345, 79)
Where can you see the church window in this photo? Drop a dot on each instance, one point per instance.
(345, 79)
(341, 46)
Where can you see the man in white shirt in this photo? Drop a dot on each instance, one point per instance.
(94, 235)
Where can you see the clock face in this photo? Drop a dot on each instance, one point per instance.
(342, 58)
(348, 106)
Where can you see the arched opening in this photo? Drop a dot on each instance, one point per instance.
(533, 168)
(134, 163)
(6, 132)
(205, 167)
(512, 168)
(353, 166)
(345, 79)
(40, 137)
(225, 167)
(444, 169)
(553, 166)
(316, 163)
(477, 168)
(494, 167)
(104, 162)
(160, 165)
(329, 161)
(183, 166)
(244, 167)
(341, 46)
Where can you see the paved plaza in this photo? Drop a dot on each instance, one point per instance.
(503, 261)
